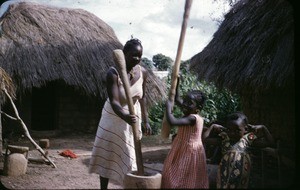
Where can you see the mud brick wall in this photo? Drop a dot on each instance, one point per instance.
(77, 112)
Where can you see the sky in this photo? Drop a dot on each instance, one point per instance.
(157, 23)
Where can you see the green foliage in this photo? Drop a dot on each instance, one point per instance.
(147, 63)
(219, 103)
(155, 115)
(162, 62)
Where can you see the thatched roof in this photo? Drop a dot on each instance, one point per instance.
(41, 43)
(253, 49)
(6, 84)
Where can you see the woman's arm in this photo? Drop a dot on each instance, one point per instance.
(143, 103)
(113, 95)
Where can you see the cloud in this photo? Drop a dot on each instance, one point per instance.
(157, 23)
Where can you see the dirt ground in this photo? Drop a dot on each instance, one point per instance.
(72, 173)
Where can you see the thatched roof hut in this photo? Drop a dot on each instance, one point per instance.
(252, 54)
(42, 44)
(253, 48)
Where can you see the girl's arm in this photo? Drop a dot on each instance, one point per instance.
(184, 121)
(214, 127)
(178, 99)
(264, 136)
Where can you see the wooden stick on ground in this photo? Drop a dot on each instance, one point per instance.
(120, 61)
(165, 131)
(26, 132)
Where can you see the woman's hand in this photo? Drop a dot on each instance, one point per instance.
(147, 128)
(130, 119)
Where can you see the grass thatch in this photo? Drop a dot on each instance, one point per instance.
(42, 43)
(252, 49)
(252, 53)
(6, 84)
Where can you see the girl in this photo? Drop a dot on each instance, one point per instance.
(185, 164)
(235, 165)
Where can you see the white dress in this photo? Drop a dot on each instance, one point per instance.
(113, 154)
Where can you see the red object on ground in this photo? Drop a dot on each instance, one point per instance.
(68, 153)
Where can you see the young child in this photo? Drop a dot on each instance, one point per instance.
(185, 164)
(237, 136)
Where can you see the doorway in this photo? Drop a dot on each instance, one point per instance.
(44, 108)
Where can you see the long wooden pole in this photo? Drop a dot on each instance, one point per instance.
(165, 131)
(120, 61)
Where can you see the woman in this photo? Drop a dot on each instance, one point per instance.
(113, 154)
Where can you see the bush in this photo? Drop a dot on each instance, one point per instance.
(219, 103)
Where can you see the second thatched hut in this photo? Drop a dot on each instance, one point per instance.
(252, 53)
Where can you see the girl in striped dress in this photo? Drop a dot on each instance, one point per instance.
(185, 164)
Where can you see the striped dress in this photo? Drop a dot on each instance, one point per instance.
(113, 153)
(185, 164)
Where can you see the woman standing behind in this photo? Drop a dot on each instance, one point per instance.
(185, 164)
(113, 154)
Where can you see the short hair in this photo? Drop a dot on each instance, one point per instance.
(199, 98)
(237, 115)
(131, 43)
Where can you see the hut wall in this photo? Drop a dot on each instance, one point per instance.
(77, 113)
(70, 110)
(276, 110)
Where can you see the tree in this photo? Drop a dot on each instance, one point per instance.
(147, 63)
(162, 62)
(219, 103)
(2, 1)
